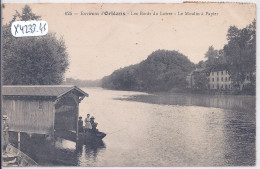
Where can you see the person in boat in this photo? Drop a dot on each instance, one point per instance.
(88, 125)
(94, 124)
(80, 124)
(5, 128)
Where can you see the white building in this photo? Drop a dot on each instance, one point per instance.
(217, 79)
(220, 80)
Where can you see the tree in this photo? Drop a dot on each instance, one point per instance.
(26, 15)
(211, 56)
(200, 80)
(32, 60)
(161, 71)
(201, 65)
(215, 59)
(241, 53)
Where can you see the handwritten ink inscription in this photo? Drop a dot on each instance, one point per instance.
(29, 28)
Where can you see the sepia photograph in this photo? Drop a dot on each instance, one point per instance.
(128, 84)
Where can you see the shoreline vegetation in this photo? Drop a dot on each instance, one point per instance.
(240, 103)
(161, 71)
(166, 71)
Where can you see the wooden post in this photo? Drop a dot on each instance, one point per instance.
(19, 140)
(77, 137)
(53, 117)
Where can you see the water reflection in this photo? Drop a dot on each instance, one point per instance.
(157, 130)
(61, 143)
(57, 152)
(240, 103)
(240, 135)
(174, 130)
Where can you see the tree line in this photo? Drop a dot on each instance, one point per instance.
(164, 70)
(238, 57)
(44, 60)
(161, 71)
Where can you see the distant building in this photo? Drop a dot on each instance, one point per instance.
(217, 79)
(190, 78)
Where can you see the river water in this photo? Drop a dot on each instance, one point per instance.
(161, 130)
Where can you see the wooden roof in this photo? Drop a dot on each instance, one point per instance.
(41, 90)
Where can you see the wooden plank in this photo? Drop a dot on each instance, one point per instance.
(25, 116)
(53, 116)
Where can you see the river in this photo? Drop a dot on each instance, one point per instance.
(161, 130)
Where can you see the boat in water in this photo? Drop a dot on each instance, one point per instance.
(83, 137)
(13, 157)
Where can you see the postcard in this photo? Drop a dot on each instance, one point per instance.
(129, 85)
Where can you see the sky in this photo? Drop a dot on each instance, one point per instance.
(98, 45)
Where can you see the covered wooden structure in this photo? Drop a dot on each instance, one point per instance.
(42, 109)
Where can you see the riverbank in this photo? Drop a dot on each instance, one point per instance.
(241, 103)
(212, 92)
(193, 91)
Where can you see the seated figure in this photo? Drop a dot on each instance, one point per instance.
(94, 125)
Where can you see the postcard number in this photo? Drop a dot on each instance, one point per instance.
(29, 28)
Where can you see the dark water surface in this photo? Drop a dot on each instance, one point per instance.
(158, 130)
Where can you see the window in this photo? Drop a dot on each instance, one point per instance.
(212, 79)
(229, 78)
(217, 86)
(40, 105)
(247, 77)
(226, 73)
(212, 86)
(221, 86)
(222, 79)
(217, 73)
(222, 73)
(226, 79)
(226, 86)
(217, 79)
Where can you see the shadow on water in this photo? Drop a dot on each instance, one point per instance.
(207, 130)
(55, 152)
(238, 103)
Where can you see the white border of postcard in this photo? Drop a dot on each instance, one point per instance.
(173, 1)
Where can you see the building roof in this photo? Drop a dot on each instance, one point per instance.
(198, 70)
(41, 90)
(220, 67)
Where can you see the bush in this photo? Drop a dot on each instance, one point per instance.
(249, 89)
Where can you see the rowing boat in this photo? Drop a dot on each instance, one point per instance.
(83, 137)
(13, 157)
